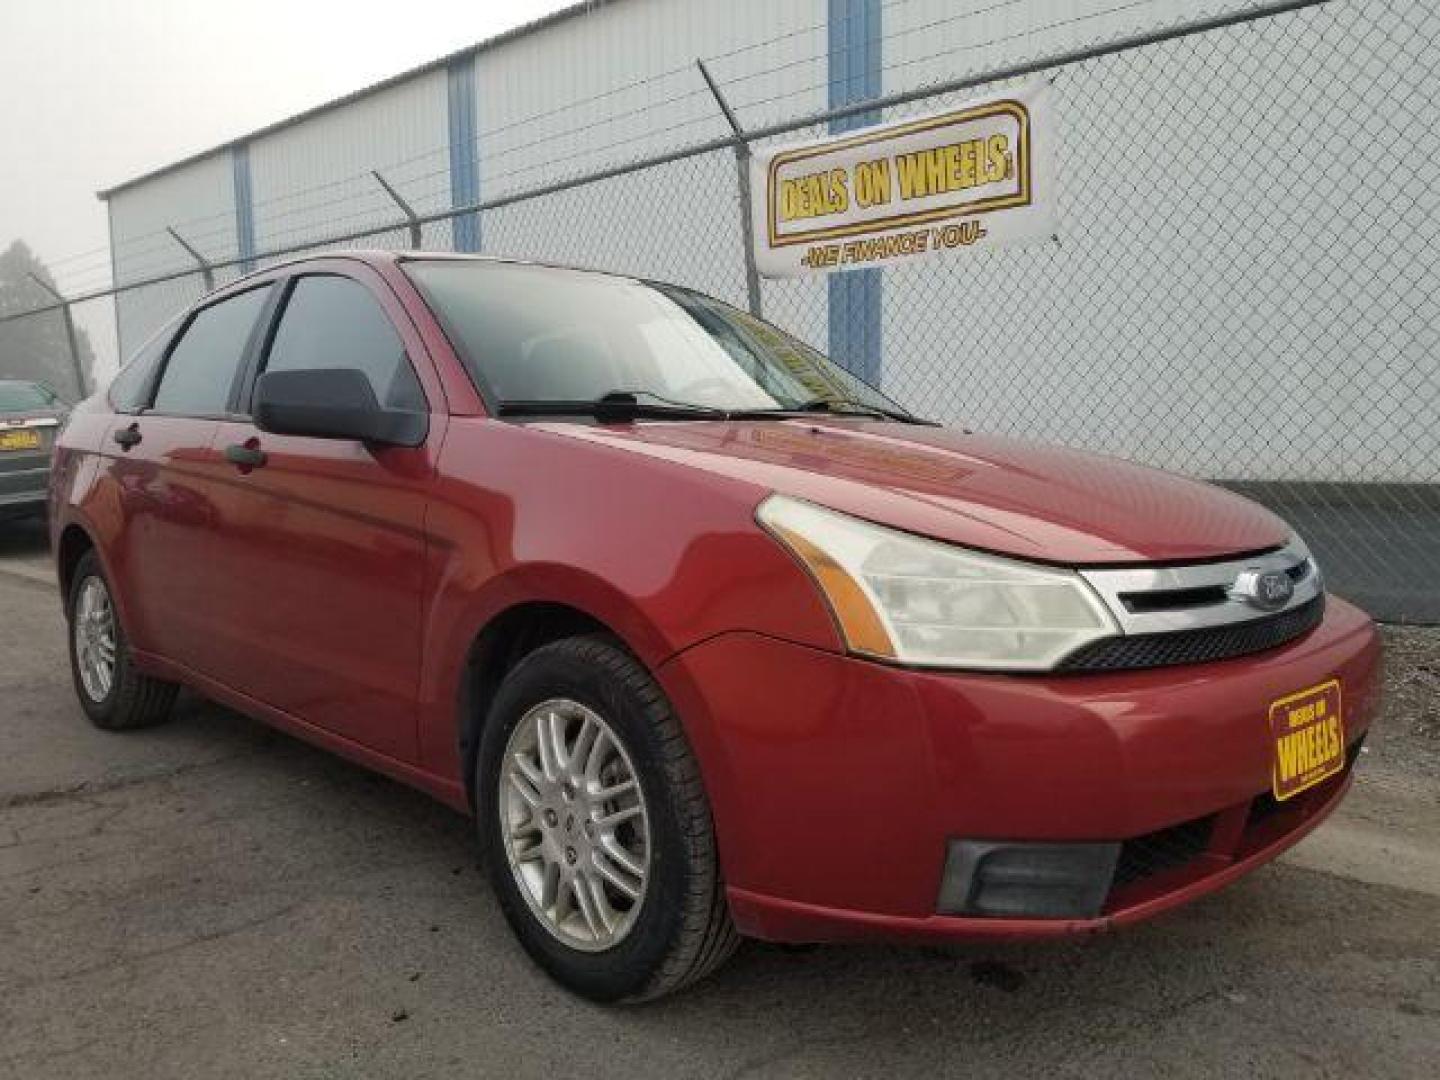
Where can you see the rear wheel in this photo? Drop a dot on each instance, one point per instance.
(113, 694)
(596, 826)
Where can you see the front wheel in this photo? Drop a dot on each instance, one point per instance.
(596, 826)
(113, 694)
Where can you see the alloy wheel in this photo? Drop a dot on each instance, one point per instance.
(94, 630)
(575, 825)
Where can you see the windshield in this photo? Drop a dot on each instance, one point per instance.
(26, 396)
(534, 334)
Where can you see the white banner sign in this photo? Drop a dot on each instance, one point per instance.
(973, 176)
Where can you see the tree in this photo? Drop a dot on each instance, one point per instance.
(36, 346)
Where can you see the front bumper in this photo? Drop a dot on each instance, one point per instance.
(837, 784)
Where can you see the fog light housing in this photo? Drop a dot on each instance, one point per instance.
(1027, 880)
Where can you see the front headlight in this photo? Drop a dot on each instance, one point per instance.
(920, 602)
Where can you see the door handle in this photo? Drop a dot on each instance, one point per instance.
(127, 436)
(247, 457)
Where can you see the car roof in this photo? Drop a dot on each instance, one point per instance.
(376, 257)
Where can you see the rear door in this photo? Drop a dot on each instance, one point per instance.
(323, 560)
(160, 463)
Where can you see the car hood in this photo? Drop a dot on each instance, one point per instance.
(1005, 495)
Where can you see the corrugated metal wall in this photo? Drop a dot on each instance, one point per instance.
(930, 40)
(199, 202)
(313, 177)
(619, 82)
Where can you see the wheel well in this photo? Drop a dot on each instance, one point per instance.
(504, 642)
(74, 543)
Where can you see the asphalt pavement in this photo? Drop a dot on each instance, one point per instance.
(214, 899)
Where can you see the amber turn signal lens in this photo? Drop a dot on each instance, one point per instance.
(859, 622)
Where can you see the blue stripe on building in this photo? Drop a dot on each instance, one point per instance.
(244, 207)
(854, 59)
(464, 151)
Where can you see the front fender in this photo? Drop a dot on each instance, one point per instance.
(662, 555)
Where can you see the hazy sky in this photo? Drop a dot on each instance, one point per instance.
(93, 92)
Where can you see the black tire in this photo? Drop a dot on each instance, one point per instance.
(682, 930)
(134, 700)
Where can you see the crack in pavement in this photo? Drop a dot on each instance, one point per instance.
(84, 788)
(123, 960)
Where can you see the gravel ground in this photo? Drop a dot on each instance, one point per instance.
(1412, 689)
(213, 899)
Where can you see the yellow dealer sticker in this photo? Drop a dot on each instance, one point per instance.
(1309, 732)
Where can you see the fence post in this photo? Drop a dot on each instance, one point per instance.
(69, 333)
(742, 169)
(410, 216)
(207, 272)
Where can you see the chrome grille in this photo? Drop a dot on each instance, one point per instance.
(1194, 614)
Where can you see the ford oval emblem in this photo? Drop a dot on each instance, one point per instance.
(1268, 590)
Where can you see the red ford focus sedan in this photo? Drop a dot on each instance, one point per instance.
(709, 637)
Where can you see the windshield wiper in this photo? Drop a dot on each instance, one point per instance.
(623, 406)
(616, 407)
(855, 408)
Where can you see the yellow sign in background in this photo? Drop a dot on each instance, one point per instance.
(974, 175)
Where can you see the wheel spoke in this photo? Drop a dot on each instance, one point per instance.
(614, 791)
(529, 825)
(616, 851)
(527, 768)
(550, 741)
(627, 884)
(542, 749)
(608, 822)
(579, 753)
(521, 783)
(534, 853)
(550, 886)
(598, 749)
(590, 908)
(564, 899)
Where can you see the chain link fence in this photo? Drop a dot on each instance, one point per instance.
(1242, 289)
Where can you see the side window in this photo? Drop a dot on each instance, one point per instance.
(203, 363)
(334, 322)
(130, 389)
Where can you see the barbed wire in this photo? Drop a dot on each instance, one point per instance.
(1120, 43)
(133, 252)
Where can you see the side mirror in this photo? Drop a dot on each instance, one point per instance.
(332, 403)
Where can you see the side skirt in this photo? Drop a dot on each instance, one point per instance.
(449, 791)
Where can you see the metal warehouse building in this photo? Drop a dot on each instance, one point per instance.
(1242, 284)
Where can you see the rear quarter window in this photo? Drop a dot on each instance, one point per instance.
(130, 388)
